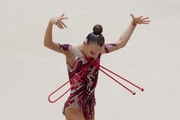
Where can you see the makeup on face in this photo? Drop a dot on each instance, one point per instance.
(94, 50)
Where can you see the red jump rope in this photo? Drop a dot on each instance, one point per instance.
(80, 74)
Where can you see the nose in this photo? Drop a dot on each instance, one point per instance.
(94, 56)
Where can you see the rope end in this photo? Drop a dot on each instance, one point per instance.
(142, 89)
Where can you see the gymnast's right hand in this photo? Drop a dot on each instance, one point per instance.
(58, 21)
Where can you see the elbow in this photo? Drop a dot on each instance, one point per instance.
(47, 45)
(121, 45)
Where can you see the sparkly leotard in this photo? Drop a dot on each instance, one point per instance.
(82, 94)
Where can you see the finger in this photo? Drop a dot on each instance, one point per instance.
(63, 24)
(58, 20)
(60, 26)
(145, 18)
(62, 14)
(140, 17)
(64, 18)
(147, 21)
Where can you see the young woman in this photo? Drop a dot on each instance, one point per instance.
(80, 104)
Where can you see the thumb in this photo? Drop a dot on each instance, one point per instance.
(132, 15)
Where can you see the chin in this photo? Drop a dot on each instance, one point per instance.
(89, 58)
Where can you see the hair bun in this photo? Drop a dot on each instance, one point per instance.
(97, 29)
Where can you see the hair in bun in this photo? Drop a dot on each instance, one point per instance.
(97, 29)
(96, 37)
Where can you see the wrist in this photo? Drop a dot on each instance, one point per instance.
(133, 23)
(50, 23)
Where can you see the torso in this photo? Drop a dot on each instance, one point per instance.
(83, 91)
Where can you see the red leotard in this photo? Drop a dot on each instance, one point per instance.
(82, 94)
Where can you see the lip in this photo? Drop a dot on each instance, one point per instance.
(89, 58)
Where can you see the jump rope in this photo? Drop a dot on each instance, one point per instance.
(81, 73)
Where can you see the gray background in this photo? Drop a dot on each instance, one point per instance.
(29, 72)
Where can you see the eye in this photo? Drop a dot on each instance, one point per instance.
(91, 52)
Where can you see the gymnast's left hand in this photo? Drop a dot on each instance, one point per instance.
(140, 20)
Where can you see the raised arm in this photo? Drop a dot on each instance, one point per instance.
(124, 38)
(48, 39)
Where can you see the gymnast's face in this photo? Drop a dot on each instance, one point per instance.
(92, 50)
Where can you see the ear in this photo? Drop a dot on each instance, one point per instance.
(85, 42)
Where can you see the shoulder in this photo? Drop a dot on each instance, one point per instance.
(110, 47)
(65, 49)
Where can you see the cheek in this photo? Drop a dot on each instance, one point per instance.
(87, 53)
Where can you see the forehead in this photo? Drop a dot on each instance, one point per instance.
(95, 48)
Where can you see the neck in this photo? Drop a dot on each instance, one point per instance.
(80, 47)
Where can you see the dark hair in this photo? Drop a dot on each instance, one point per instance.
(96, 36)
